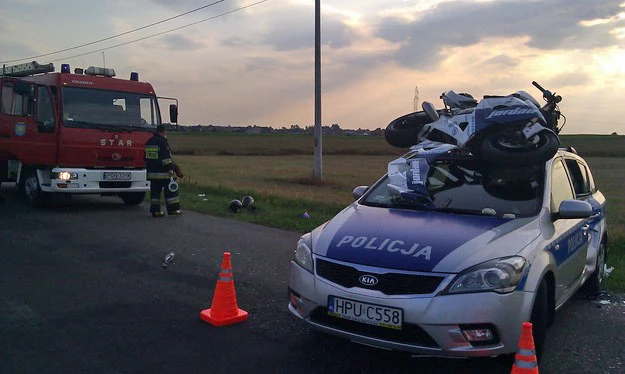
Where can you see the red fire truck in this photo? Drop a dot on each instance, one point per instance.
(76, 133)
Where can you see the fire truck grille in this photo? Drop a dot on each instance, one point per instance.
(115, 184)
(388, 283)
(109, 159)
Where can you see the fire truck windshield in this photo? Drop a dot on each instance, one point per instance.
(115, 110)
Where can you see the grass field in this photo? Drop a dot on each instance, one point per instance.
(277, 171)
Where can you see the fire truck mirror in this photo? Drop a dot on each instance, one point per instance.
(173, 113)
(24, 88)
(46, 126)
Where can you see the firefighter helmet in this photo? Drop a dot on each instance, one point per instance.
(248, 202)
(236, 205)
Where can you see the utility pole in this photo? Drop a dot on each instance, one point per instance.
(318, 169)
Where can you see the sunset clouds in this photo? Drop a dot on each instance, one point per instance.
(256, 66)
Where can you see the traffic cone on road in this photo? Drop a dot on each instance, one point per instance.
(525, 359)
(224, 310)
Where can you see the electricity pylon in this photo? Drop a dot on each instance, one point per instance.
(416, 98)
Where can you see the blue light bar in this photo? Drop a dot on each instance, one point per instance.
(134, 76)
(65, 68)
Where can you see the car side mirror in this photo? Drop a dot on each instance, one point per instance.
(173, 113)
(429, 109)
(571, 209)
(359, 191)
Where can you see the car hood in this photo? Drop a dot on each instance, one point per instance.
(420, 240)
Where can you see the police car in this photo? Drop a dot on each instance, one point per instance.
(447, 255)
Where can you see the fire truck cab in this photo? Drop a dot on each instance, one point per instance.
(76, 133)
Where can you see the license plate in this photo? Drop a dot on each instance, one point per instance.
(370, 314)
(116, 176)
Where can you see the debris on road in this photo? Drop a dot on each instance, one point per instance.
(607, 270)
(169, 259)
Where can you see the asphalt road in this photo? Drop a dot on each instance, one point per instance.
(82, 290)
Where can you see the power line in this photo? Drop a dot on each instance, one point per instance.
(164, 32)
(115, 36)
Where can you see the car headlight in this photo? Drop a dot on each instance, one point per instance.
(303, 253)
(501, 275)
(65, 175)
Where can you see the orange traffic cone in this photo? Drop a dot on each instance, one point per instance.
(525, 359)
(224, 310)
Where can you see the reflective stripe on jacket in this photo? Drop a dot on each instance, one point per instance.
(158, 161)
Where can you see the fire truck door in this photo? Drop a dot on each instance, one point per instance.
(28, 123)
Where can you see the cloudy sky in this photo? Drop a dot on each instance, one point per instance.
(251, 62)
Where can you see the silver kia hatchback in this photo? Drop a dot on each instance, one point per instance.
(457, 273)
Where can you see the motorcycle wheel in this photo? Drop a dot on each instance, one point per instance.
(501, 149)
(403, 132)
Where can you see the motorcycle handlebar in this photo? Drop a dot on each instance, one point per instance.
(547, 94)
(538, 86)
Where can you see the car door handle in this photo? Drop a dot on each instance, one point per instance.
(6, 136)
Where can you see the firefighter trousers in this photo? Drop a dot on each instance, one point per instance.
(172, 200)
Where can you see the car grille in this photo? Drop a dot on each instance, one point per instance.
(409, 334)
(388, 283)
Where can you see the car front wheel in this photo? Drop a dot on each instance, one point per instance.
(540, 318)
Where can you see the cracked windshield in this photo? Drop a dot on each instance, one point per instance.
(469, 187)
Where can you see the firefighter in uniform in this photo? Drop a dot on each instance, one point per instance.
(161, 168)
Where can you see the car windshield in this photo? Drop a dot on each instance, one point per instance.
(470, 187)
(112, 110)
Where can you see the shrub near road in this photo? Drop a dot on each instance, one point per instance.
(277, 171)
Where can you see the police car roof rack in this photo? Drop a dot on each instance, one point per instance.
(568, 149)
(24, 70)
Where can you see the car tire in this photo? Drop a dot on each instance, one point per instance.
(132, 198)
(593, 284)
(32, 190)
(540, 317)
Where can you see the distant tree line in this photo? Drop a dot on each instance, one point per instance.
(334, 129)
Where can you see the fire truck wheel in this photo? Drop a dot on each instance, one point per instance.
(32, 190)
(132, 198)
